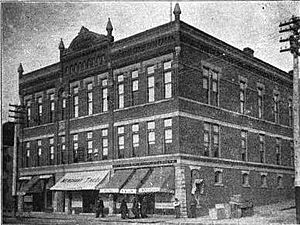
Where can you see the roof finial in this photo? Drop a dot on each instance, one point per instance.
(61, 45)
(20, 69)
(177, 12)
(109, 29)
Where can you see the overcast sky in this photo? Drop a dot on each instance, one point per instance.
(31, 31)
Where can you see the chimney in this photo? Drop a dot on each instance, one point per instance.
(249, 51)
(291, 72)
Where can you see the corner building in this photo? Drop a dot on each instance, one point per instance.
(169, 112)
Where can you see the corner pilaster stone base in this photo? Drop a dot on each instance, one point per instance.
(180, 189)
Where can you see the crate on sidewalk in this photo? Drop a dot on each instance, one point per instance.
(218, 212)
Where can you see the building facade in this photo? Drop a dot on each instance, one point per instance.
(169, 112)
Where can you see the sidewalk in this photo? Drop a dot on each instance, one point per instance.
(275, 214)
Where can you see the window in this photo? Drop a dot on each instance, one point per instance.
(215, 136)
(242, 96)
(151, 133)
(167, 79)
(52, 107)
(260, 102)
(104, 96)
(292, 153)
(28, 112)
(135, 87)
(121, 91)
(262, 148)
(135, 139)
(27, 160)
(63, 149)
(276, 107)
(39, 152)
(63, 106)
(75, 102)
(210, 86)
(168, 130)
(290, 105)
(206, 139)
(263, 180)
(40, 110)
(51, 144)
(244, 145)
(278, 151)
(90, 98)
(104, 134)
(151, 91)
(89, 138)
(245, 179)
(121, 142)
(218, 177)
(279, 181)
(75, 148)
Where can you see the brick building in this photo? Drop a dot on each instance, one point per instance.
(169, 112)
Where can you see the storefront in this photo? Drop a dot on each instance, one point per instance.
(155, 184)
(80, 190)
(34, 193)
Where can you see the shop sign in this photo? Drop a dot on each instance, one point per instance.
(28, 198)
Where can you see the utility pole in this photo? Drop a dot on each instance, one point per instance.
(18, 116)
(294, 27)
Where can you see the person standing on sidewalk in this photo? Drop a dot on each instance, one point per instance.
(193, 206)
(135, 208)
(99, 208)
(124, 209)
(177, 207)
(144, 205)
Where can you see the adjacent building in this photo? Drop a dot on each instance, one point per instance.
(169, 112)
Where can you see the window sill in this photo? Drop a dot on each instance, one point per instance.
(219, 185)
(246, 186)
(264, 187)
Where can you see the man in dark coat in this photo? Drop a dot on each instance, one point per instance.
(144, 207)
(99, 207)
(124, 209)
(135, 208)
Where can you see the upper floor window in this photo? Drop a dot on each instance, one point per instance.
(121, 91)
(260, 102)
(292, 153)
(40, 109)
(242, 96)
(262, 148)
(75, 102)
(89, 137)
(121, 142)
(263, 180)
(27, 158)
(167, 80)
(104, 134)
(39, 152)
(279, 181)
(290, 105)
(245, 179)
(135, 139)
(218, 177)
(168, 131)
(90, 98)
(244, 145)
(75, 148)
(63, 152)
(211, 86)
(278, 151)
(211, 140)
(51, 144)
(150, 89)
(104, 96)
(135, 87)
(276, 107)
(28, 112)
(52, 107)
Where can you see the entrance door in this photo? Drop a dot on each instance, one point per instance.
(88, 200)
(38, 202)
(150, 201)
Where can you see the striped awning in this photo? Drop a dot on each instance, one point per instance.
(162, 179)
(117, 181)
(135, 182)
(91, 180)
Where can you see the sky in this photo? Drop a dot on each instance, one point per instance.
(31, 31)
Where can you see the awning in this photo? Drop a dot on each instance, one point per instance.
(91, 180)
(135, 181)
(160, 180)
(26, 185)
(117, 181)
